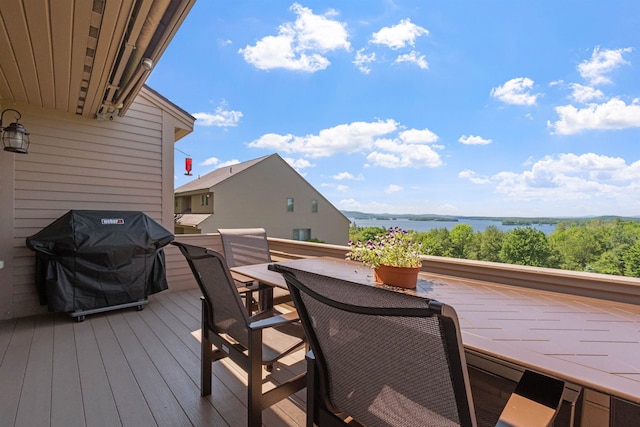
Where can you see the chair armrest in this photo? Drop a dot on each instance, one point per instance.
(272, 321)
(535, 401)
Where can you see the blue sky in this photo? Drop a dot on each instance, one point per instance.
(497, 108)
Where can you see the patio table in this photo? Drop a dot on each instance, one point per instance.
(585, 341)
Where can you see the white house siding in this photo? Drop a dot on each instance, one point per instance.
(257, 197)
(76, 163)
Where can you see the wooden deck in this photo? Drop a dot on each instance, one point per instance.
(126, 367)
(142, 368)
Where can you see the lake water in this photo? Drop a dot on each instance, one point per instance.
(477, 224)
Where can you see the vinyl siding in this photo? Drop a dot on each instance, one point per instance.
(257, 197)
(75, 163)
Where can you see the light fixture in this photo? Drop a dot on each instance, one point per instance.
(14, 137)
(147, 64)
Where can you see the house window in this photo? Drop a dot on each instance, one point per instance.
(314, 206)
(303, 234)
(204, 200)
(290, 204)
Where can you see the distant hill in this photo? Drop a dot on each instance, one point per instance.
(505, 220)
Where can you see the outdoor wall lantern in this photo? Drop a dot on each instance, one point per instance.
(14, 137)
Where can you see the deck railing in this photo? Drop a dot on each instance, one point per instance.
(600, 286)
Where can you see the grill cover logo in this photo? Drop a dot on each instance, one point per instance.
(108, 221)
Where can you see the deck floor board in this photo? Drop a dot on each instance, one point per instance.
(125, 368)
(35, 398)
(14, 366)
(67, 408)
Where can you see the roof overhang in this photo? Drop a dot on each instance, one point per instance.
(85, 57)
(190, 220)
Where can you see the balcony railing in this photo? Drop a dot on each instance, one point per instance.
(593, 285)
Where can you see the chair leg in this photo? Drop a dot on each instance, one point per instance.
(205, 355)
(249, 302)
(310, 393)
(254, 387)
(205, 368)
(311, 385)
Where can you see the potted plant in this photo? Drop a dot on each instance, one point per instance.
(394, 256)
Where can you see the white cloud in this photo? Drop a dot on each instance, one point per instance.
(613, 114)
(363, 60)
(413, 57)
(417, 136)
(584, 94)
(345, 138)
(473, 177)
(342, 188)
(602, 62)
(408, 149)
(598, 178)
(300, 45)
(393, 153)
(220, 118)
(347, 176)
(298, 164)
(400, 35)
(474, 140)
(228, 163)
(392, 188)
(516, 92)
(211, 161)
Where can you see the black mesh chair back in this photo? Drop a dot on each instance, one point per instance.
(227, 313)
(245, 246)
(250, 341)
(383, 358)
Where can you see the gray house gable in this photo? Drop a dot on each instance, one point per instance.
(255, 194)
(210, 180)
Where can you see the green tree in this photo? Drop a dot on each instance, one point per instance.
(610, 262)
(631, 259)
(436, 241)
(461, 236)
(490, 244)
(577, 246)
(525, 246)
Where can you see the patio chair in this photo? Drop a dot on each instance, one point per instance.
(246, 246)
(250, 341)
(245, 288)
(383, 358)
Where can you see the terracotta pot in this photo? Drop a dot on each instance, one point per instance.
(405, 277)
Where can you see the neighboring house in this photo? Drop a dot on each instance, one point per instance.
(100, 139)
(265, 192)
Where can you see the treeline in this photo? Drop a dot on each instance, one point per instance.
(599, 246)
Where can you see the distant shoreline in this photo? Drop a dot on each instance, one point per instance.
(518, 221)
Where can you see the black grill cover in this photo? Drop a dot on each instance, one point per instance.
(91, 259)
